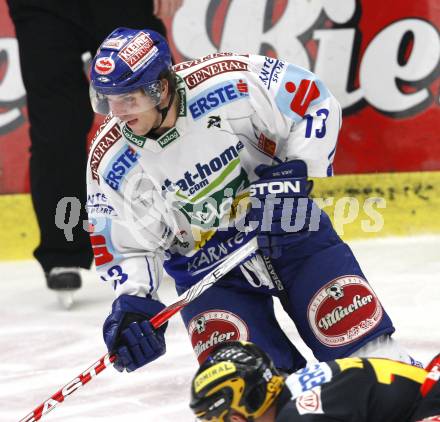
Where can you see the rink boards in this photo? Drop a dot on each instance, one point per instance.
(361, 206)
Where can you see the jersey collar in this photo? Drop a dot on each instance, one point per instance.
(181, 108)
(171, 135)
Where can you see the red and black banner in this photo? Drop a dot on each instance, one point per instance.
(380, 59)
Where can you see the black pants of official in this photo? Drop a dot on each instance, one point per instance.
(52, 36)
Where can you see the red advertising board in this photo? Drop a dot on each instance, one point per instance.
(14, 141)
(380, 59)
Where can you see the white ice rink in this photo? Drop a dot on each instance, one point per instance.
(43, 347)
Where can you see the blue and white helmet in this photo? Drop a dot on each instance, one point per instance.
(129, 60)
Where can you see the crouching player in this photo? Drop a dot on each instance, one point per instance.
(180, 148)
(239, 382)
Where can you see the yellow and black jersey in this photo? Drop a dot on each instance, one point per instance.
(352, 390)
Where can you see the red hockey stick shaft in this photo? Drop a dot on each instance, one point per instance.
(192, 293)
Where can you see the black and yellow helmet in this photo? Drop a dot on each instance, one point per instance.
(237, 376)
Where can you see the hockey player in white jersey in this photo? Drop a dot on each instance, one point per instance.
(191, 162)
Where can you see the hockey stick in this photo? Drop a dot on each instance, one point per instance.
(184, 299)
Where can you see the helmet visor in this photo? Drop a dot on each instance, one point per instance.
(138, 101)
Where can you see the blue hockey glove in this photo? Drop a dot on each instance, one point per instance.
(283, 208)
(129, 334)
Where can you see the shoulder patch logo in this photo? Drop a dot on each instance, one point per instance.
(305, 93)
(298, 91)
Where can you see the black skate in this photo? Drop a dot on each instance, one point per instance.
(65, 281)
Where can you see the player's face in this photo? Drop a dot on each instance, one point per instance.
(142, 123)
(236, 417)
(136, 109)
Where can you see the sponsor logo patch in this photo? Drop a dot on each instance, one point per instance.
(138, 51)
(131, 137)
(310, 402)
(191, 63)
(270, 71)
(198, 178)
(181, 109)
(266, 145)
(214, 121)
(102, 147)
(217, 96)
(168, 137)
(114, 43)
(213, 373)
(212, 255)
(208, 329)
(297, 92)
(97, 203)
(275, 187)
(101, 128)
(100, 247)
(122, 164)
(311, 376)
(201, 75)
(104, 65)
(304, 94)
(343, 311)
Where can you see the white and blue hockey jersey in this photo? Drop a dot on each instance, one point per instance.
(173, 201)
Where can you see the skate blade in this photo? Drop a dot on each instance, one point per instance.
(65, 299)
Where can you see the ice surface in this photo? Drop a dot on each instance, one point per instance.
(43, 347)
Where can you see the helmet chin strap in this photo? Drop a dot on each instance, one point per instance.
(163, 112)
